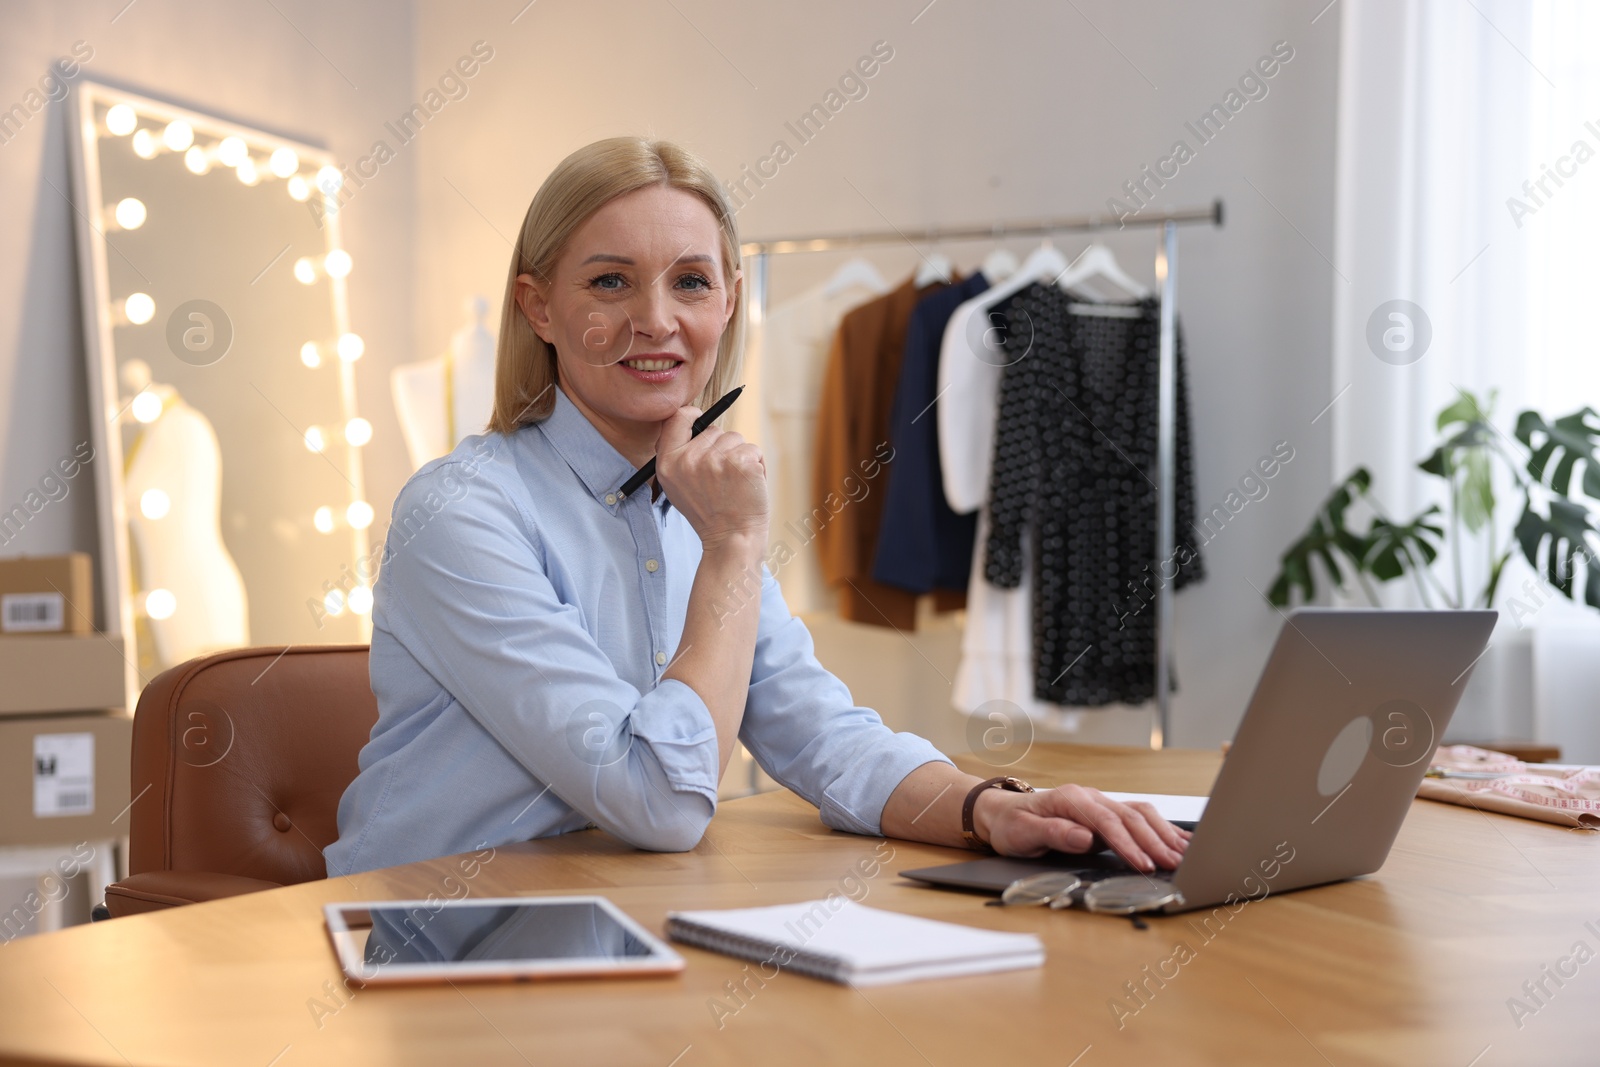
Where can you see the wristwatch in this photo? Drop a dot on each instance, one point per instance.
(968, 832)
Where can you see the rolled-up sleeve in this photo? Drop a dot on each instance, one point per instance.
(805, 730)
(470, 597)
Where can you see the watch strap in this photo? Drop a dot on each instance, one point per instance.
(969, 832)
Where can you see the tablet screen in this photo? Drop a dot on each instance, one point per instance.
(412, 939)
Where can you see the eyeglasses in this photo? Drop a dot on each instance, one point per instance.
(1119, 895)
(1055, 888)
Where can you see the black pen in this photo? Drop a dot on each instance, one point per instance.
(710, 415)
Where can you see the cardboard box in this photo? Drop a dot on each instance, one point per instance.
(46, 595)
(49, 673)
(64, 778)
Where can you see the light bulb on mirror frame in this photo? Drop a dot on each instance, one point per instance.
(138, 308)
(329, 180)
(299, 189)
(196, 160)
(305, 272)
(359, 514)
(360, 600)
(121, 120)
(358, 431)
(130, 213)
(232, 151)
(283, 162)
(155, 504)
(144, 143)
(322, 519)
(334, 602)
(160, 603)
(247, 172)
(337, 263)
(146, 407)
(134, 375)
(350, 347)
(311, 355)
(316, 441)
(178, 135)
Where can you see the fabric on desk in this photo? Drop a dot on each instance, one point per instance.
(521, 628)
(1074, 459)
(1567, 796)
(922, 544)
(786, 358)
(853, 447)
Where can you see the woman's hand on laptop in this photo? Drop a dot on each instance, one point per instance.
(1075, 818)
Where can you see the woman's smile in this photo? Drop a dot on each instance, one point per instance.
(653, 367)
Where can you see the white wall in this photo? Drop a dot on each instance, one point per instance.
(986, 112)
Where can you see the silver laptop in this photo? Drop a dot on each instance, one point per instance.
(1323, 768)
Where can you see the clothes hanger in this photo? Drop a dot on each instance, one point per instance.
(1044, 262)
(1095, 276)
(999, 265)
(855, 272)
(1042, 265)
(935, 267)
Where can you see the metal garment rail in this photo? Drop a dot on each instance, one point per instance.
(757, 254)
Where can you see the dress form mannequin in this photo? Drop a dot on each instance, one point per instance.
(182, 551)
(440, 401)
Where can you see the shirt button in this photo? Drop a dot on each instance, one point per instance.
(611, 498)
(661, 657)
(651, 565)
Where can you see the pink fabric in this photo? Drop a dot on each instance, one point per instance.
(1566, 796)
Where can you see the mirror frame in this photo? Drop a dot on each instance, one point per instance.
(115, 580)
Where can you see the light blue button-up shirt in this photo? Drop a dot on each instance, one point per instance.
(523, 618)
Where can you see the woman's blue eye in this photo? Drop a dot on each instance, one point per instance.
(604, 281)
(702, 282)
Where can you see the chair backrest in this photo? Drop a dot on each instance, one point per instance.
(240, 757)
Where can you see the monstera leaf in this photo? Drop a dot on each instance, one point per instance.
(1395, 548)
(1560, 545)
(1557, 448)
(1326, 536)
(1464, 458)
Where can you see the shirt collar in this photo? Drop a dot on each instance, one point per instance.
(595, 461)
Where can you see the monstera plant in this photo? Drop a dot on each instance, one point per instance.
(1553, 466)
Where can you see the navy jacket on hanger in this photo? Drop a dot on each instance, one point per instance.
(922, 544)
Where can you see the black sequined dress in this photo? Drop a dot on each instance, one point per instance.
(1074, 465)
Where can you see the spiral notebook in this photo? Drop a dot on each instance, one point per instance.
(842, 941)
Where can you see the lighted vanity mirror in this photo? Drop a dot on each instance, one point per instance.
(220, 352)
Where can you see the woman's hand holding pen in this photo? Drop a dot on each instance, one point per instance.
(717, 480)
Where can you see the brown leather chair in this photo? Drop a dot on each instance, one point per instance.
(239, 760)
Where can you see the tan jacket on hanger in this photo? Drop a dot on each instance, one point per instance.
(853, 456)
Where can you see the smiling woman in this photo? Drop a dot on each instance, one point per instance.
(690, 248)
(550, 654)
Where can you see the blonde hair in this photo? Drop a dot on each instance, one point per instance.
(525, 365)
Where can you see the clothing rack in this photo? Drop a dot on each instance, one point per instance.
(757, 254)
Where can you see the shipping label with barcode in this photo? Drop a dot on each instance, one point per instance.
(32, 612)
(63, 774)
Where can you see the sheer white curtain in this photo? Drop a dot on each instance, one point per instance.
(1447, 107)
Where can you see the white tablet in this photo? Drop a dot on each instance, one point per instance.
(391, 941)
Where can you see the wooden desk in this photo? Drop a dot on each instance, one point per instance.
(1413, 965)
